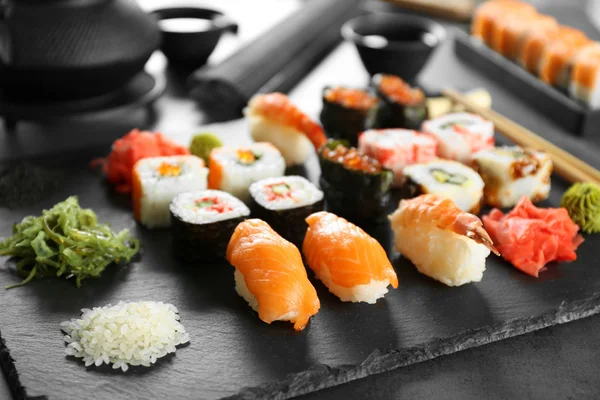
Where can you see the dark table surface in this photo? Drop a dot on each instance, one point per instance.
(557, 362)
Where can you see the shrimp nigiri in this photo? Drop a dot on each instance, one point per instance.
(443, 242)
(270, 276)
(347, 260)
(273, 118)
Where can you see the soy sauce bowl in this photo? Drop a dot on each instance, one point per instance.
(190, 34)
(398, 44)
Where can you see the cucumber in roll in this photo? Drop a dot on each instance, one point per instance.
(356, 186)
(347, 112)
(400, 106)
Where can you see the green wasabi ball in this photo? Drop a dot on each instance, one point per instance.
(203, 143)
(582, 201)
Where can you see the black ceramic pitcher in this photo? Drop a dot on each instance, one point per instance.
(71, 49)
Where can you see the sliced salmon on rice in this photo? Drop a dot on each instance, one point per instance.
(346, 259)
(270, 275)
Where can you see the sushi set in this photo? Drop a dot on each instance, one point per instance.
(215, 268)
(550, 66)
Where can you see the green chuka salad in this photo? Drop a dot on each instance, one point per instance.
(67, 240)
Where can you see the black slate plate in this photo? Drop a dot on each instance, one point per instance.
(233, 353)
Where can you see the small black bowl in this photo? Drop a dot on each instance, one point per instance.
(397, 44)
(192, 44)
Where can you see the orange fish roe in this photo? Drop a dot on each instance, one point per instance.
(399, 91)
(213, 204)
(168, 169)
(246, 156)
(350, 98)
(351, 158)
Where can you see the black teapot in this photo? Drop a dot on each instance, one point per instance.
(52, 50)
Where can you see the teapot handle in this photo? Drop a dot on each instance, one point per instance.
(227, 24)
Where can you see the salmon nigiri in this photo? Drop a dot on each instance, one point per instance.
(270, 276)
(443, 242)
(347, 260)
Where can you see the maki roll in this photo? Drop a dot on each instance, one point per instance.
(401, 106)
(156, 180)
(202, 223)
(584, 85)
(445, 178)
(460, 135)
(533, 45)
(233, 170)
(397, 148)
(489, 14)
(284, 203)
(556, 60)
(356, 186)
(511, 172)
(347, 112)
(274, 119)
(510, 33)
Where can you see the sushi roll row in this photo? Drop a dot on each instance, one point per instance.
(389, 103)
(560, 55)
(203, 221)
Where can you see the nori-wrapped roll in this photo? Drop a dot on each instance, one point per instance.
(284, 203)
(202, 223)
(400, 105)
(356, 186)
(347, 112)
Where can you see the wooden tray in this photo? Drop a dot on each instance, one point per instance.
(232, 352)
(555, 104)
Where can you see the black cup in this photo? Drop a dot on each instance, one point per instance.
(397, 44)
(193, 47)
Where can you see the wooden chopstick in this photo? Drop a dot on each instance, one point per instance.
(458, 10)
(566, 165)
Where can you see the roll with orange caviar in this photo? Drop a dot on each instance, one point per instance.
(347, 112)
(356, 186)
(401, 106)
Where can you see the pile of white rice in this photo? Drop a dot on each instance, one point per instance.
(126, 334)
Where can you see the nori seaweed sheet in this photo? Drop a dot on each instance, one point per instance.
(354, 204)
(201, 242)
(289, 223)
(338, 176)
(341, 122)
